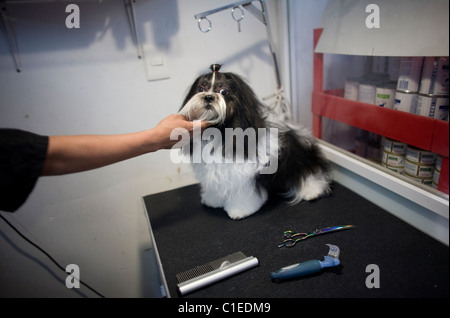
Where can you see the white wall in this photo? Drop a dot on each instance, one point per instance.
(304, 17)
(90, 81)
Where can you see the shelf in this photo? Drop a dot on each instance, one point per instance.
(419, 131)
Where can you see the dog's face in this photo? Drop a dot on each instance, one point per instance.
(208, 98)
(222, 99)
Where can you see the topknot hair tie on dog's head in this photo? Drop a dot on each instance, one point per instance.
(215, 67)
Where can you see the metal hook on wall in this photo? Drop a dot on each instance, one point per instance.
(206, 27)
(237, 18)
(204, 30)
(262, 15)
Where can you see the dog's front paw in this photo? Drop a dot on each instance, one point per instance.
(245, 204)
(235, 214)
(211, 204)
(212, 200)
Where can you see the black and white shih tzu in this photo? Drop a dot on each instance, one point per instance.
(244, 157)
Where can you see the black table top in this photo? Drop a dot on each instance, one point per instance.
(188, 234)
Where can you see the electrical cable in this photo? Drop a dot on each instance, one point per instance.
(47, 254)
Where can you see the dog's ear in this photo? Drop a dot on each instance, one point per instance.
(244, 91)
(247, 103)
(192, 92)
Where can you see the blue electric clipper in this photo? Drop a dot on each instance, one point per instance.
(309, 267)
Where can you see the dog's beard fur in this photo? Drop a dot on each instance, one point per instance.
(199, 107)
(226, 101)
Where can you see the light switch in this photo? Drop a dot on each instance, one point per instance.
(155, 59)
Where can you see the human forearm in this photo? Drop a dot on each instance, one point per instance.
(70, 154)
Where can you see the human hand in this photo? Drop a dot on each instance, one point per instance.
(174, 123)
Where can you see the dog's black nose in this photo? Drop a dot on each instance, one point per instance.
(209, 98)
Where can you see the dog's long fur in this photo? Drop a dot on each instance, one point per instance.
(227, 101)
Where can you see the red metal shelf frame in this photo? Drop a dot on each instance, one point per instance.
(422, 132)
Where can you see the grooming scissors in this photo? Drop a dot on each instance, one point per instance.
(291, 238)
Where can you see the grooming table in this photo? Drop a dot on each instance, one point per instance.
(188, 234)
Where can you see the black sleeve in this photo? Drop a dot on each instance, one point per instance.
(22, 156)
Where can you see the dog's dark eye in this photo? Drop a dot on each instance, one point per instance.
(223, 91)
(201, 89)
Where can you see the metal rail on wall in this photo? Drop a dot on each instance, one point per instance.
(10, 36)
(281, 103)
(279, 106)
